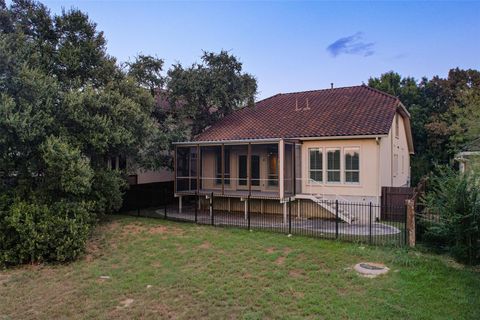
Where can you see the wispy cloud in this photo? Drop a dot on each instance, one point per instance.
(353, 44)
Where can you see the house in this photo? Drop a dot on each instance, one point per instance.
(340, 144)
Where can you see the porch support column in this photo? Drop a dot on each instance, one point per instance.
(223, 167)
(199, 159)
(249, 168)
(294, 177)
(299, 204)
(281, 174)
(175, 170)
(246, 208)
(179, 204)
(284, 212)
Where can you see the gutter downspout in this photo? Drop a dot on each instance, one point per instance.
(379, 188)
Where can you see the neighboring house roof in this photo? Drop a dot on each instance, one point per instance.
(348, 111)
(473, 146)
(470, 149)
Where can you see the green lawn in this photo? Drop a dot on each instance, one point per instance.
(161, 269)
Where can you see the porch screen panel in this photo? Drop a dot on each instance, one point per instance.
(193, 158)
(183, 169)
(218, 165)
(298, 168)
(242, 170)
(288, 169)
(255, 170)
(272, 162)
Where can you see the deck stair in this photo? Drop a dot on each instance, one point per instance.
(328, 205)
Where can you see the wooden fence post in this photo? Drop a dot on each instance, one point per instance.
(410, 222)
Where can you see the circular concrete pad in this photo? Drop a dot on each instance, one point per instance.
(370, 270)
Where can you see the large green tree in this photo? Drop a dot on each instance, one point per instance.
(445, 113)
(65, 108)
(206, 92)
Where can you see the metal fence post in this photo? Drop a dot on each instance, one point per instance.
(164, 205)
(165, 211)
(137, 202)
(196, 207)
(370, 223)
(211, 209)
(290, 216)
(336, 219)
(248, 211)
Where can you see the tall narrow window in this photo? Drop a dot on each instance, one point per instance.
(352, 165)
(218, 167)
(316, 165)
(395, 165)
(333, 165)
(397, 129)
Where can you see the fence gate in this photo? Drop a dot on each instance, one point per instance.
(393, 202)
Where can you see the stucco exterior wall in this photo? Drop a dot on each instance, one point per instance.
(367, 189)
(395, 156)
(149, 176)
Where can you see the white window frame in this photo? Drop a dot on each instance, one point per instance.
(334, 170)
(345, 149)
(310, 181)
(397, 126)
(395, 165)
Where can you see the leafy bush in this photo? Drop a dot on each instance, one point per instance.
(455, 198)
(32, 232)
(107, 189)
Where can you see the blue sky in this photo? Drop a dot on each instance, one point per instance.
(295, 46)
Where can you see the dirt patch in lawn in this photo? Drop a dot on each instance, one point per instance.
(125, 303)
(166, 230)
(205, 245)
(296, 273)
(134, 229)
(270, 250)
(280, 261)
(4, 279)
(93, 250)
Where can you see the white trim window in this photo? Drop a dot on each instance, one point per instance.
(395, 165)
(397, 126)
(333, 165)
(352, 165)
(315, 165)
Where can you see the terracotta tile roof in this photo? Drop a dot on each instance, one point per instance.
(348, 111)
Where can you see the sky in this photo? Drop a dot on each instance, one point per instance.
(293, 45)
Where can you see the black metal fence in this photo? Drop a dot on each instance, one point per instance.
(329, 219)
(141, 196)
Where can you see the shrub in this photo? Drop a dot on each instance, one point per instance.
(455, 198)
(32, 232)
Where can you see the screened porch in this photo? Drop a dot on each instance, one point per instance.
(237, 168)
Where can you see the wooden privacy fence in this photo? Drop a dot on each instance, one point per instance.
(393, 202)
